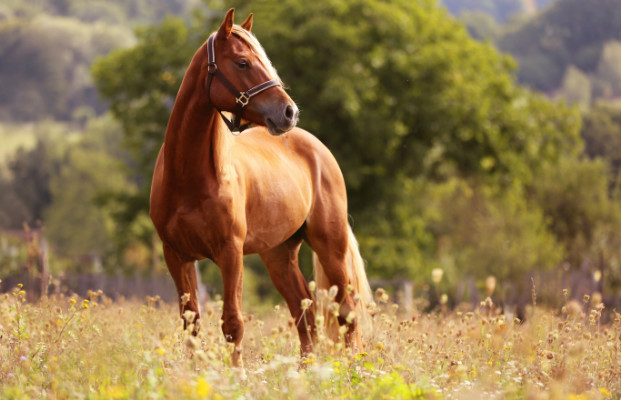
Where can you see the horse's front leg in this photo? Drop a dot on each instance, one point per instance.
(230, 263)
(183, 272)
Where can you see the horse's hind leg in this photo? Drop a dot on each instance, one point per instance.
(327, 234)
(282, 265)
(183, 273)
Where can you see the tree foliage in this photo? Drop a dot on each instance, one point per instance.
(415, 111)
(571, 32)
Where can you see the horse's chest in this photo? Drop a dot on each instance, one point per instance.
(200, 229)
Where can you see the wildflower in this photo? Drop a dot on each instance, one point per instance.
(597, 275)
(19, 285)
(203, 388)
(605, 392)
(185, 298)
(72, 300)
(349, 289)
(565, 293)
(312, 285)
(444, 298)
(586, 298)
(381, 295)
(160, 351)
(350, 317)
(490, 285)
(436, 275)
(306, 303)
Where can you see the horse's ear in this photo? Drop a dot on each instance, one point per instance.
(247, 24)
(227, 25)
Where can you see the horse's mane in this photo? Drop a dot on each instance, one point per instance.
(257, 49)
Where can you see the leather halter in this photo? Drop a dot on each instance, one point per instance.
(241, 98)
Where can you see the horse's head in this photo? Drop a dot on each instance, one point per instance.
(241, 79)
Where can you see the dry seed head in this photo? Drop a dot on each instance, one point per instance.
(436, 275)
(489, 303)
(192, 343)
(586, 298)
(312, 286)
(189, 316)
(333, 292)
(185, 298)
(349, 288)
(490, 284)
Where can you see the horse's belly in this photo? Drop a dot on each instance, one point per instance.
(275, 221)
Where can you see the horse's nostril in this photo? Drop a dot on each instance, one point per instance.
(289, 112)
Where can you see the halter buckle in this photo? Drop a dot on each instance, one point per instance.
(212, 68)
(243, 99)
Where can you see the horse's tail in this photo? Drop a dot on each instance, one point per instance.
(357, 279)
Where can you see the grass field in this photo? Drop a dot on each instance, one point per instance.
(72, 348)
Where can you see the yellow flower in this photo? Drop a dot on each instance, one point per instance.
(203, 388)
(160, 351)
(604, 391)
(72, 301)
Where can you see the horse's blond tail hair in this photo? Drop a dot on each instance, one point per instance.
(357, 278)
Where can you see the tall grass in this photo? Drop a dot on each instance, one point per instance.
(94, 348)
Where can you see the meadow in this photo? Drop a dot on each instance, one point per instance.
(65, 347)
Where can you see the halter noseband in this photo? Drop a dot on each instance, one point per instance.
(241, 98)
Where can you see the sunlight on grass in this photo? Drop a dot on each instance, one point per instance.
(95, 348)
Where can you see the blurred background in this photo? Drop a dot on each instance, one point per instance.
(480, 140)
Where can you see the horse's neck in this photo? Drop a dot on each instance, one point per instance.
(196, 141)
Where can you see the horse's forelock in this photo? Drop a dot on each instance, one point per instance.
(257, 49)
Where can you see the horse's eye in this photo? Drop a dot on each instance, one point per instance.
(243, 64)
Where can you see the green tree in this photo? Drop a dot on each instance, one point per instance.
(27, 192)
(576, 87)
(608, 70)
(397, 90)
(570, 32)
(74, 222)
(601, 131)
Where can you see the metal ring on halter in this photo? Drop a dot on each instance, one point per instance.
(243, 99)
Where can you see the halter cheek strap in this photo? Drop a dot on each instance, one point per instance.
(241, 98)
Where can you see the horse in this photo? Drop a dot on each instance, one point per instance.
(220, 196)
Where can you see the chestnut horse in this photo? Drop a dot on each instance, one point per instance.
(219, 196)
